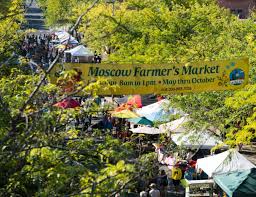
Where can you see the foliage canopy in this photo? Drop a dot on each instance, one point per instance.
(41, 154)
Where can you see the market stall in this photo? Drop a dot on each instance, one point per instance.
(198, 187)
(79, 54)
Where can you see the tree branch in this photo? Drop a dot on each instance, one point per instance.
(79, 19)
(121, 25)
(39, 84)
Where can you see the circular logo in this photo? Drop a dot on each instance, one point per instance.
(236, 77)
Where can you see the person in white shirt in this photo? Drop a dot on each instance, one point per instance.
(154, 192)
(143, 194)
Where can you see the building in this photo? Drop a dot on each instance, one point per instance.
(239, 7)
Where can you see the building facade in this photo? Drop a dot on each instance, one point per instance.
(241, 8)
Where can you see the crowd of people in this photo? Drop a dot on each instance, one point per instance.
(169, 180)
(41, 49)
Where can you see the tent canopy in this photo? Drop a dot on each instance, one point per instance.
(203, 139)
(135, 101)
(228, 161)
(238, 184)
(175, 126)
(64, 36)
(141, 120)
(158, 111)
(125, 114)
(196, 139)
(146, 130)
(146, 99)
(80, 51)
(67, 103)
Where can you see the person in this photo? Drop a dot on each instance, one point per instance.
(105, 123)
(99, 58)
(143, 194)
(202, 175)
(176, 176)
(154, 192)
(162, 179)
(190, 173)
(160, 153)
(125, 132)
(109, 124)
(162, 182)
(170, 160)
(189, 155)
(118, 128)
(95, 57)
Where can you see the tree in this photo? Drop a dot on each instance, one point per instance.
(42, 154)
(11, 18)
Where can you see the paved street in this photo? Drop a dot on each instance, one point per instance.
(34, 16)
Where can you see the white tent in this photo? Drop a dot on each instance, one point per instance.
(79, 54)
(175, 126)
(146, 130)
(203, 139)
(80, 51)
(196, 139)
(228, 161)
(158, 111)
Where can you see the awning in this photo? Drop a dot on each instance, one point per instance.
(146, 130)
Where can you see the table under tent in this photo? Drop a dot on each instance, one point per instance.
(79, 54)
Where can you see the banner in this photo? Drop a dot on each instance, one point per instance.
(167, 78)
